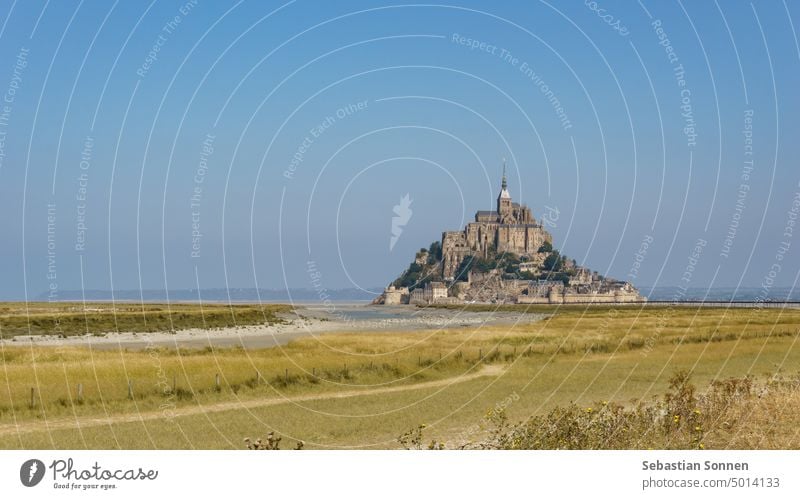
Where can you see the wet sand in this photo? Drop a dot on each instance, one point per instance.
(309, 321)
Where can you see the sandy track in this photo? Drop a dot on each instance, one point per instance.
(86, 422)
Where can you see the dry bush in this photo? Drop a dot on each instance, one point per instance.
(732, 413)
(272, 442)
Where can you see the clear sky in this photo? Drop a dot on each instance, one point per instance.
(166, 144)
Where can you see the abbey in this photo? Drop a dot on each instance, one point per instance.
(504, 256)
(510, 229)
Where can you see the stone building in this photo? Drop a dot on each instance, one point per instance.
(395, 296)
(582, 276)
(435, 290)
(417, 297)
(431, 293)
(509, 229)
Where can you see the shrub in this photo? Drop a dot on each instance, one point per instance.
(553, 262)
(681, 419)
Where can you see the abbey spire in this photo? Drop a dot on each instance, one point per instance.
(504, 205)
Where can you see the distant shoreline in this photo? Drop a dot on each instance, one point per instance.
(306, 297)
(366, 303)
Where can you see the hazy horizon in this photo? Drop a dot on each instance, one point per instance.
(325, 297)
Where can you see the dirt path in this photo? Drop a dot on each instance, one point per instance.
(87, 421)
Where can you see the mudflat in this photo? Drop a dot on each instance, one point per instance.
(303, 321)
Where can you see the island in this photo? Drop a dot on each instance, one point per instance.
(504, 256)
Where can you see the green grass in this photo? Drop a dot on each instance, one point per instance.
(70, 319)
(577, 356)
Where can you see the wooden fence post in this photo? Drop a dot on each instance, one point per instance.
(216, 381)
(130, 389)
(33, 400)
(80, 392)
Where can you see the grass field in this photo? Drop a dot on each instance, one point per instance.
(70, 319)
(366, 389)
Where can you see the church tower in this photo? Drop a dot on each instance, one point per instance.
(504, 209)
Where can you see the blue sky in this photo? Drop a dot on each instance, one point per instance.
(377, 100)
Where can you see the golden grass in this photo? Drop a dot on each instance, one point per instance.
(579, 356)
